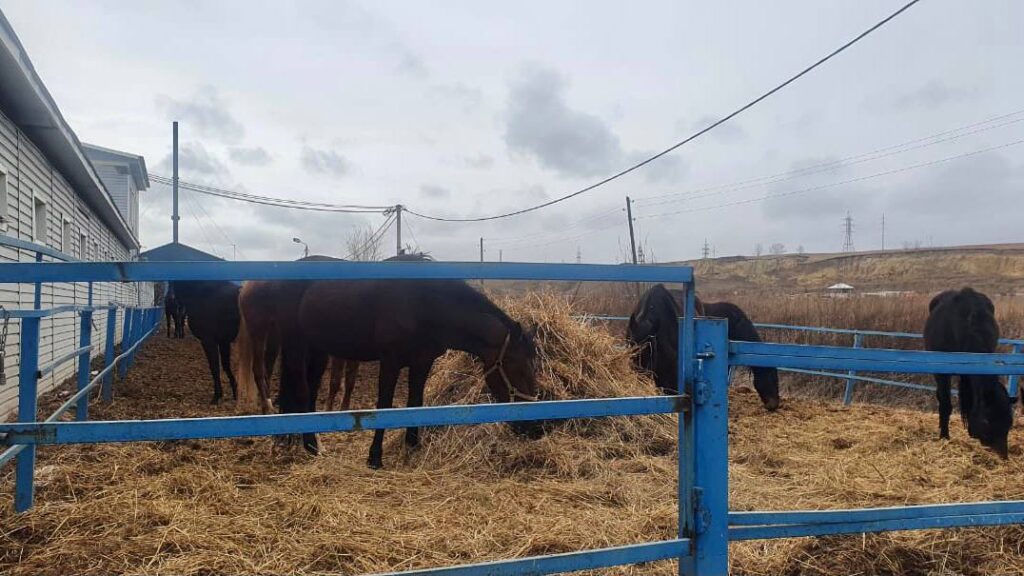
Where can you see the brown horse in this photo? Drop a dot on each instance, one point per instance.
(257, 306)
(401, 323)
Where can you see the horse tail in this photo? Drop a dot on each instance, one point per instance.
(248, 395)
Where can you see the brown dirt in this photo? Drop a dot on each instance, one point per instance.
(473, 494)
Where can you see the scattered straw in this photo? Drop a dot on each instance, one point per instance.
(478, 493)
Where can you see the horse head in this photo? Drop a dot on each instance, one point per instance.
(991, 414)
(512, 373)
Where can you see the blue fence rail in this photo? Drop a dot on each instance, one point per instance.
(852, 377)
(705, 524)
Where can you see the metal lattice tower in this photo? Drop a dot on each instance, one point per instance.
(848, 225)
(706, 250)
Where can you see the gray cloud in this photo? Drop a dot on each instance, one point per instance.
(541, 125)
(933, 94)
(205, 114)
(194, 160)
(255, 156)
(411, 64)
(434, 192)
(324, 161)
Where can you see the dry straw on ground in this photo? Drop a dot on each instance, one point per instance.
(478, 493)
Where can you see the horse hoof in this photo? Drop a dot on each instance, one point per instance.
(375, 463)
(215, 401)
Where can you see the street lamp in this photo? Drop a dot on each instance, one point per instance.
(305, 246)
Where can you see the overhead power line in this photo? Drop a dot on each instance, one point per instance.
(840, 183)
(811, 189)
(373, 239)
(269, 200)
(692, 137)
(877, 154)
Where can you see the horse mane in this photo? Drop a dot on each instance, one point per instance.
(740, 325)
(478, 301)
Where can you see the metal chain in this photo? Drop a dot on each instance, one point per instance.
(3, 345)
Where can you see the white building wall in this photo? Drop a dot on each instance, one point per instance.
(30, 175)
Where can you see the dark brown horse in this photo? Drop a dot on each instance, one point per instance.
(212, 308)
(258, 302)
(401, 323)
(654, 332)
(964, 321)
(174, 314)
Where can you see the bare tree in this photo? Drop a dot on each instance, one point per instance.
(759, 249)
(800, 249)
(362, 245)
(777, 248)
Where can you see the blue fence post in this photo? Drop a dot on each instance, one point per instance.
(1014, 379)
(126, 330)
(27, 382)
(858, 339)
(709, 414)
(108, 355)
(84, 361)
(686, 447)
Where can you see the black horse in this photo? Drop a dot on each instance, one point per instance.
(964, 321)
(174, 313)
(653, 331)
(401, 323)
(213, 318)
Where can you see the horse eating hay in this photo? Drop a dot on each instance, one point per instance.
(653, 330)
(964, 321)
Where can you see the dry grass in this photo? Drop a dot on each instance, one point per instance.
(477, 493)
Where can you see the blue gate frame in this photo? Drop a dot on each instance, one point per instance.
(705, 525)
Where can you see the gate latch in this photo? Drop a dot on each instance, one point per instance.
(701, 515)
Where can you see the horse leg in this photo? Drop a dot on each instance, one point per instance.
(966, 402)
(225, 360)
(293, 392)
(271, 350)
(944, 396)
(351, 373)
(210, 349)
(389, 369)
(418, 373)
(167, 320)
(335, 383)
(316, 362)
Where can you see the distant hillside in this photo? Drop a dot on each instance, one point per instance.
(997, 268)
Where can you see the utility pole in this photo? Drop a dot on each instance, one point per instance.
(174, 187)
(848, 226)
(501, 255)
(883, 231)
(706, 250)
(234, 252)
(579, 255)
(632, 238)
(481, 249)
(398, 228)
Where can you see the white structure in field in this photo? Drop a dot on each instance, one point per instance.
(54, 192)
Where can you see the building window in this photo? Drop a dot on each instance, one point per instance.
(83, 246)
(95, 254)
(3, 200)
(65, 235)
(39, 217)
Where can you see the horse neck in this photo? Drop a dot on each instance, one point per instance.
(479, 333)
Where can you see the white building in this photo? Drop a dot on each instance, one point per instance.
(53, 192)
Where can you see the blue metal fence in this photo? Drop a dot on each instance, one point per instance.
(852, 377)
(705, 524)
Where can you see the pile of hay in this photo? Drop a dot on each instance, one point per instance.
(480, 493)
(574, 361)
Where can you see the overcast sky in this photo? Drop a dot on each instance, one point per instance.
(471, 108)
